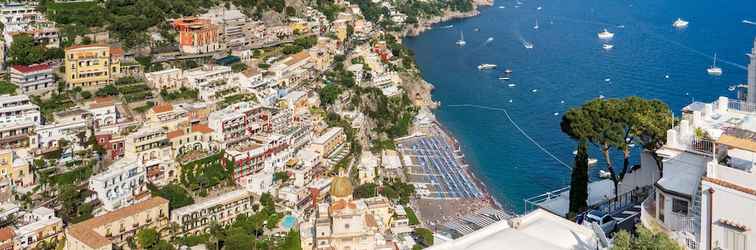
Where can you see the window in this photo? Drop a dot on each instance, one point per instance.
(734, 239)
(680, 207)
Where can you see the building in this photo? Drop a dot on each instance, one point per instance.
(329, 141)
(293, 69)
(167, 115)
(536, 230)
(198, 137)
(197, 36)
(113, 228)
(6, 238)
(223, 209)
(35, 78)
(18, 108)
(114, 145)
(706, 196)
(213, 82)
(169, 79)
(20, 134)
(15, 168)
(103, 112)
(239, 122)
(120, 184)
(92, 65)
(40, 225)
(151, 148)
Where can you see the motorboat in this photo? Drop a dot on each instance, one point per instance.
(511, 85)
(592, 161)
(731, 88)
(506, 75)
(502, 7)
(556, 113)
(604, 174)
(713, 70)
(461, 42)
(605, 35)
(486, 66)
(535, 27)
(679, 23)
(476, 29)
(607, 46)
(527, 45)
(539, 8)
(534, 90)
(601, 96)
(490, 39)
(447, 27)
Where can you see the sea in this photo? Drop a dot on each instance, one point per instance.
(510, 134)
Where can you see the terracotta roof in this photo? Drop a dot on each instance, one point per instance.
(730, 185)
(79, 46)
(116, 52)
(100, 102)
(293, 59)
(202, 128)
(6, 233)
(162, 107)
(85, 233)
(174, 134)
(31, 68)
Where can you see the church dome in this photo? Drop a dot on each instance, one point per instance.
(341, 187)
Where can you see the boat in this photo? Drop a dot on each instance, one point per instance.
(502, 7)
(556, 113)
(461, 41)
(607, 46)
(607, 79)
(605, 35)
(511, 85)
(749, 22)
(592, 161)
(620, 26)
(447, 27)
(536, 25)
(490, 39)
(539, 8)
(679, 23)
(476, 29)
(731, 88)
(713, 70)
(486, 66)
(527, 45)
(666, 76)
(601, 96)
(506, 75)
(604, 174)
(534, 90)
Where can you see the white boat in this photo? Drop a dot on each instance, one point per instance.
(534, 90)
(447, 27)
(506, 75)
(490, 39)
(511, 85)
(607, 46)
(605, 35)
(607, 79)
(539, 8)
(556, 113)
(486, 66)
(679, 23)
(749, 22)
(666, 76)
(604, 174)
(502, 7)
(536, 25)
(601, 96)
(713, 70)
(527, 45)
(592, 161)
(620, 26)
(731, 88)
(461, 41)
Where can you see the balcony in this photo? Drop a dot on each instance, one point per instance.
(684, 229)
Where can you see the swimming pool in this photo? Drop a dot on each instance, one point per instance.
(288, 222)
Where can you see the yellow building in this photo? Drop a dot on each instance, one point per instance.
(92, 65)
(102, 232)
(14, 169)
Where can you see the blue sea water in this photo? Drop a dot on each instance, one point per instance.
(568, 64)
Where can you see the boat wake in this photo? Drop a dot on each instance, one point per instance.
(749, 22)
(506, 113)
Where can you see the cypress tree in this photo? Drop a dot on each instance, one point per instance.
(579, 182)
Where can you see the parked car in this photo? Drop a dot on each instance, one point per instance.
(603, 219)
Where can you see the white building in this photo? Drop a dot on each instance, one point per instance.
(168, 79)
(117, 186)
(706, 198)
(539, 229)
(18, 108)
(39, 225)
(222, 209)
(103, 111)
(213, 82)
(34, 78)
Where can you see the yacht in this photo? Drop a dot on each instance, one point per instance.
(506, 75)
(539, 8)
(527, 45)
(502, 7)
(447, 27)
(536, 25)
(607, 46)
(511, 85)
(731, 88)
(476, 29)
(486, 66)
(713, 70)
(490, 39)
(592, 161)
(604, 174)
(679, 23)
(606, 35)
(461, 41)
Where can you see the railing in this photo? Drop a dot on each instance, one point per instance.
(703, 146)
(741, 106)
(534, 202)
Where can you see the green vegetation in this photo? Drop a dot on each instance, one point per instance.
(74, 176)
(7, 88)
(579, 181)
(644, 239)
(411, 216)
(149, 239)
(73, 208)
(238, 67)
(306, 42)
(329, 94)
(393, 115)
(107, 90)
(425, 236)
(199, 175)
(56, 102)
(614, 124)
(182, 93)
(291, 49)
(282, 176)
(366, 190)
(24, 51)
(398, 191)
(175, 194)
(228, 100)
(147, 105)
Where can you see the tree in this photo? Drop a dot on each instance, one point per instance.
(23, 50)
(329, 94)
(645, 239)
(579, 181)
(85, 94)
(7, 88)
(425, 236)
(238, 67)
(366, 190)
(239, 240)
(290, 11)
(107, 90)
(148, 238)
